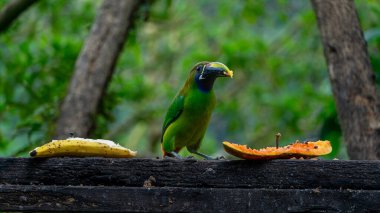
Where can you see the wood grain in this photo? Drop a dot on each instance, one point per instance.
(276, 174)
(94, 67)
(174, 199)
(11, 11)
(351, 76)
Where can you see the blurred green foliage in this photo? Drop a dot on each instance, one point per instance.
(280, 82)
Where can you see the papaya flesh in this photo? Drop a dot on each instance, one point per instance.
(295, 150)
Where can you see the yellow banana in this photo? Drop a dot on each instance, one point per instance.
(82, 147)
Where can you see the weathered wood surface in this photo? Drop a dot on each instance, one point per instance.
(277, 174)
(174, 199)
(120, 185)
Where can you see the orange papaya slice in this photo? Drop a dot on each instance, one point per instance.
(297, 150)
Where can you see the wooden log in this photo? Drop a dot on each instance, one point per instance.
(276, 174)
(94, 67)
(174, 199)
(351, 75)
(11, 11)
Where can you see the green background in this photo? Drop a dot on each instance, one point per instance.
(280, 83)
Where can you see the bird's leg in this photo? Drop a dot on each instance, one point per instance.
(175, 155)
(202, 155)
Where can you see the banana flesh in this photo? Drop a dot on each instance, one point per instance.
(81, 147)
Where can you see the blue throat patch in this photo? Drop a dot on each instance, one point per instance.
(204, 85)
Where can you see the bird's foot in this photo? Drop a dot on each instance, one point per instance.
(220, 158)
(206, 157)
(171, 155)
(217, 158)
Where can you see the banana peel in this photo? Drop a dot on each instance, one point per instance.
(295, 150)
(82, 147)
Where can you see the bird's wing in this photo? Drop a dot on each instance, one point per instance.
(173, 113)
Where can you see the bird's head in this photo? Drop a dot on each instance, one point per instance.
(212, 70)
(205, 73)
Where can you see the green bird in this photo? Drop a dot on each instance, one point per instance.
(189, 114)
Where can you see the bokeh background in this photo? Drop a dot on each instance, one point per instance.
(280, 83)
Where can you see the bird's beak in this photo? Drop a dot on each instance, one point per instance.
(229, 73)
(217, 69)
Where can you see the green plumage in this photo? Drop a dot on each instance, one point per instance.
(189, 114)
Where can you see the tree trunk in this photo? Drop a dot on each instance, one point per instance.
(11, 11)
(94, 67)
(351, 76)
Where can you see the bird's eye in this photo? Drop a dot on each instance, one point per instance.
(199, 68)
